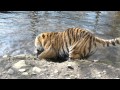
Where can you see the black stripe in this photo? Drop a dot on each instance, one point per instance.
(107, 43)
(81, 33)
(94, 41)
(82, 57)
(66, 46)
(77, 30)
(90, 43)
(85, 34)
(103, 44)
(77, 34)
(65, 41)
(63, 50)
(72, 36)
(117, 41)
(69, 33)
(113, 43)
(44, 43)
(84, 52)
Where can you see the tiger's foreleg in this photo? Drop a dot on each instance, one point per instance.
(48, 54)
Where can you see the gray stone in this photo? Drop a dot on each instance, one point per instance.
(10, 71)
(22, 70)
(8, 66)
(56, 71)
(25, 73)
(36, 70)
(19, 64)
(21, 56)
(95, 60)
(5, 56)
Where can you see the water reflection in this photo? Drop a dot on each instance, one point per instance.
(33, 16)
(18, 29)
(96, 20)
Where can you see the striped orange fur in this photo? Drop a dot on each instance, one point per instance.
(75, 43)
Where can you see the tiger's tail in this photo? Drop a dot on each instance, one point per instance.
(107, 43)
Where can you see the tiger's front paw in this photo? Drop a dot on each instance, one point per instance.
(72, 59)
(40, 57)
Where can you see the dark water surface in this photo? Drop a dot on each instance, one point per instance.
(18, 29)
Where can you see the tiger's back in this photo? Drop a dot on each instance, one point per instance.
(75, 43)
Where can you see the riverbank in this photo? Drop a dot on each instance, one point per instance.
(27, 67)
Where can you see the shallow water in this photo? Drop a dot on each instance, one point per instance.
(18, 29)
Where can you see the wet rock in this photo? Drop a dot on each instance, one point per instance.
(22, 70)
(36, 70)
(10, 71)
(19, 64)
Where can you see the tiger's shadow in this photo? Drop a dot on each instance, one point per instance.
(57, 60)
(61, 59)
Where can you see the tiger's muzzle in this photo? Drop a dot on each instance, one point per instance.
(38, 52)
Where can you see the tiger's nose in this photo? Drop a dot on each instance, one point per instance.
(38, 52)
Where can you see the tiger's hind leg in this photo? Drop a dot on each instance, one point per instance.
(74, 55)
(74, 52)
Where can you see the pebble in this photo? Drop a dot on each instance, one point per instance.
(67, 78)
(5, 56)
(8, 66)
(21, 56)
(36, 70)
(22, 70)
(56, 71)
(95, 60)
(69, 66)
(10, 71)
(19, 64)
(25, 73)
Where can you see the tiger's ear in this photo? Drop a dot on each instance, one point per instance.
(43, 36)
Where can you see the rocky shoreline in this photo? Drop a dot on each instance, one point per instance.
(27, 67)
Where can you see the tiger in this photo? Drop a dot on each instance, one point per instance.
(73, 43)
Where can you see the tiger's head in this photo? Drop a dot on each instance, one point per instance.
(39, 43)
